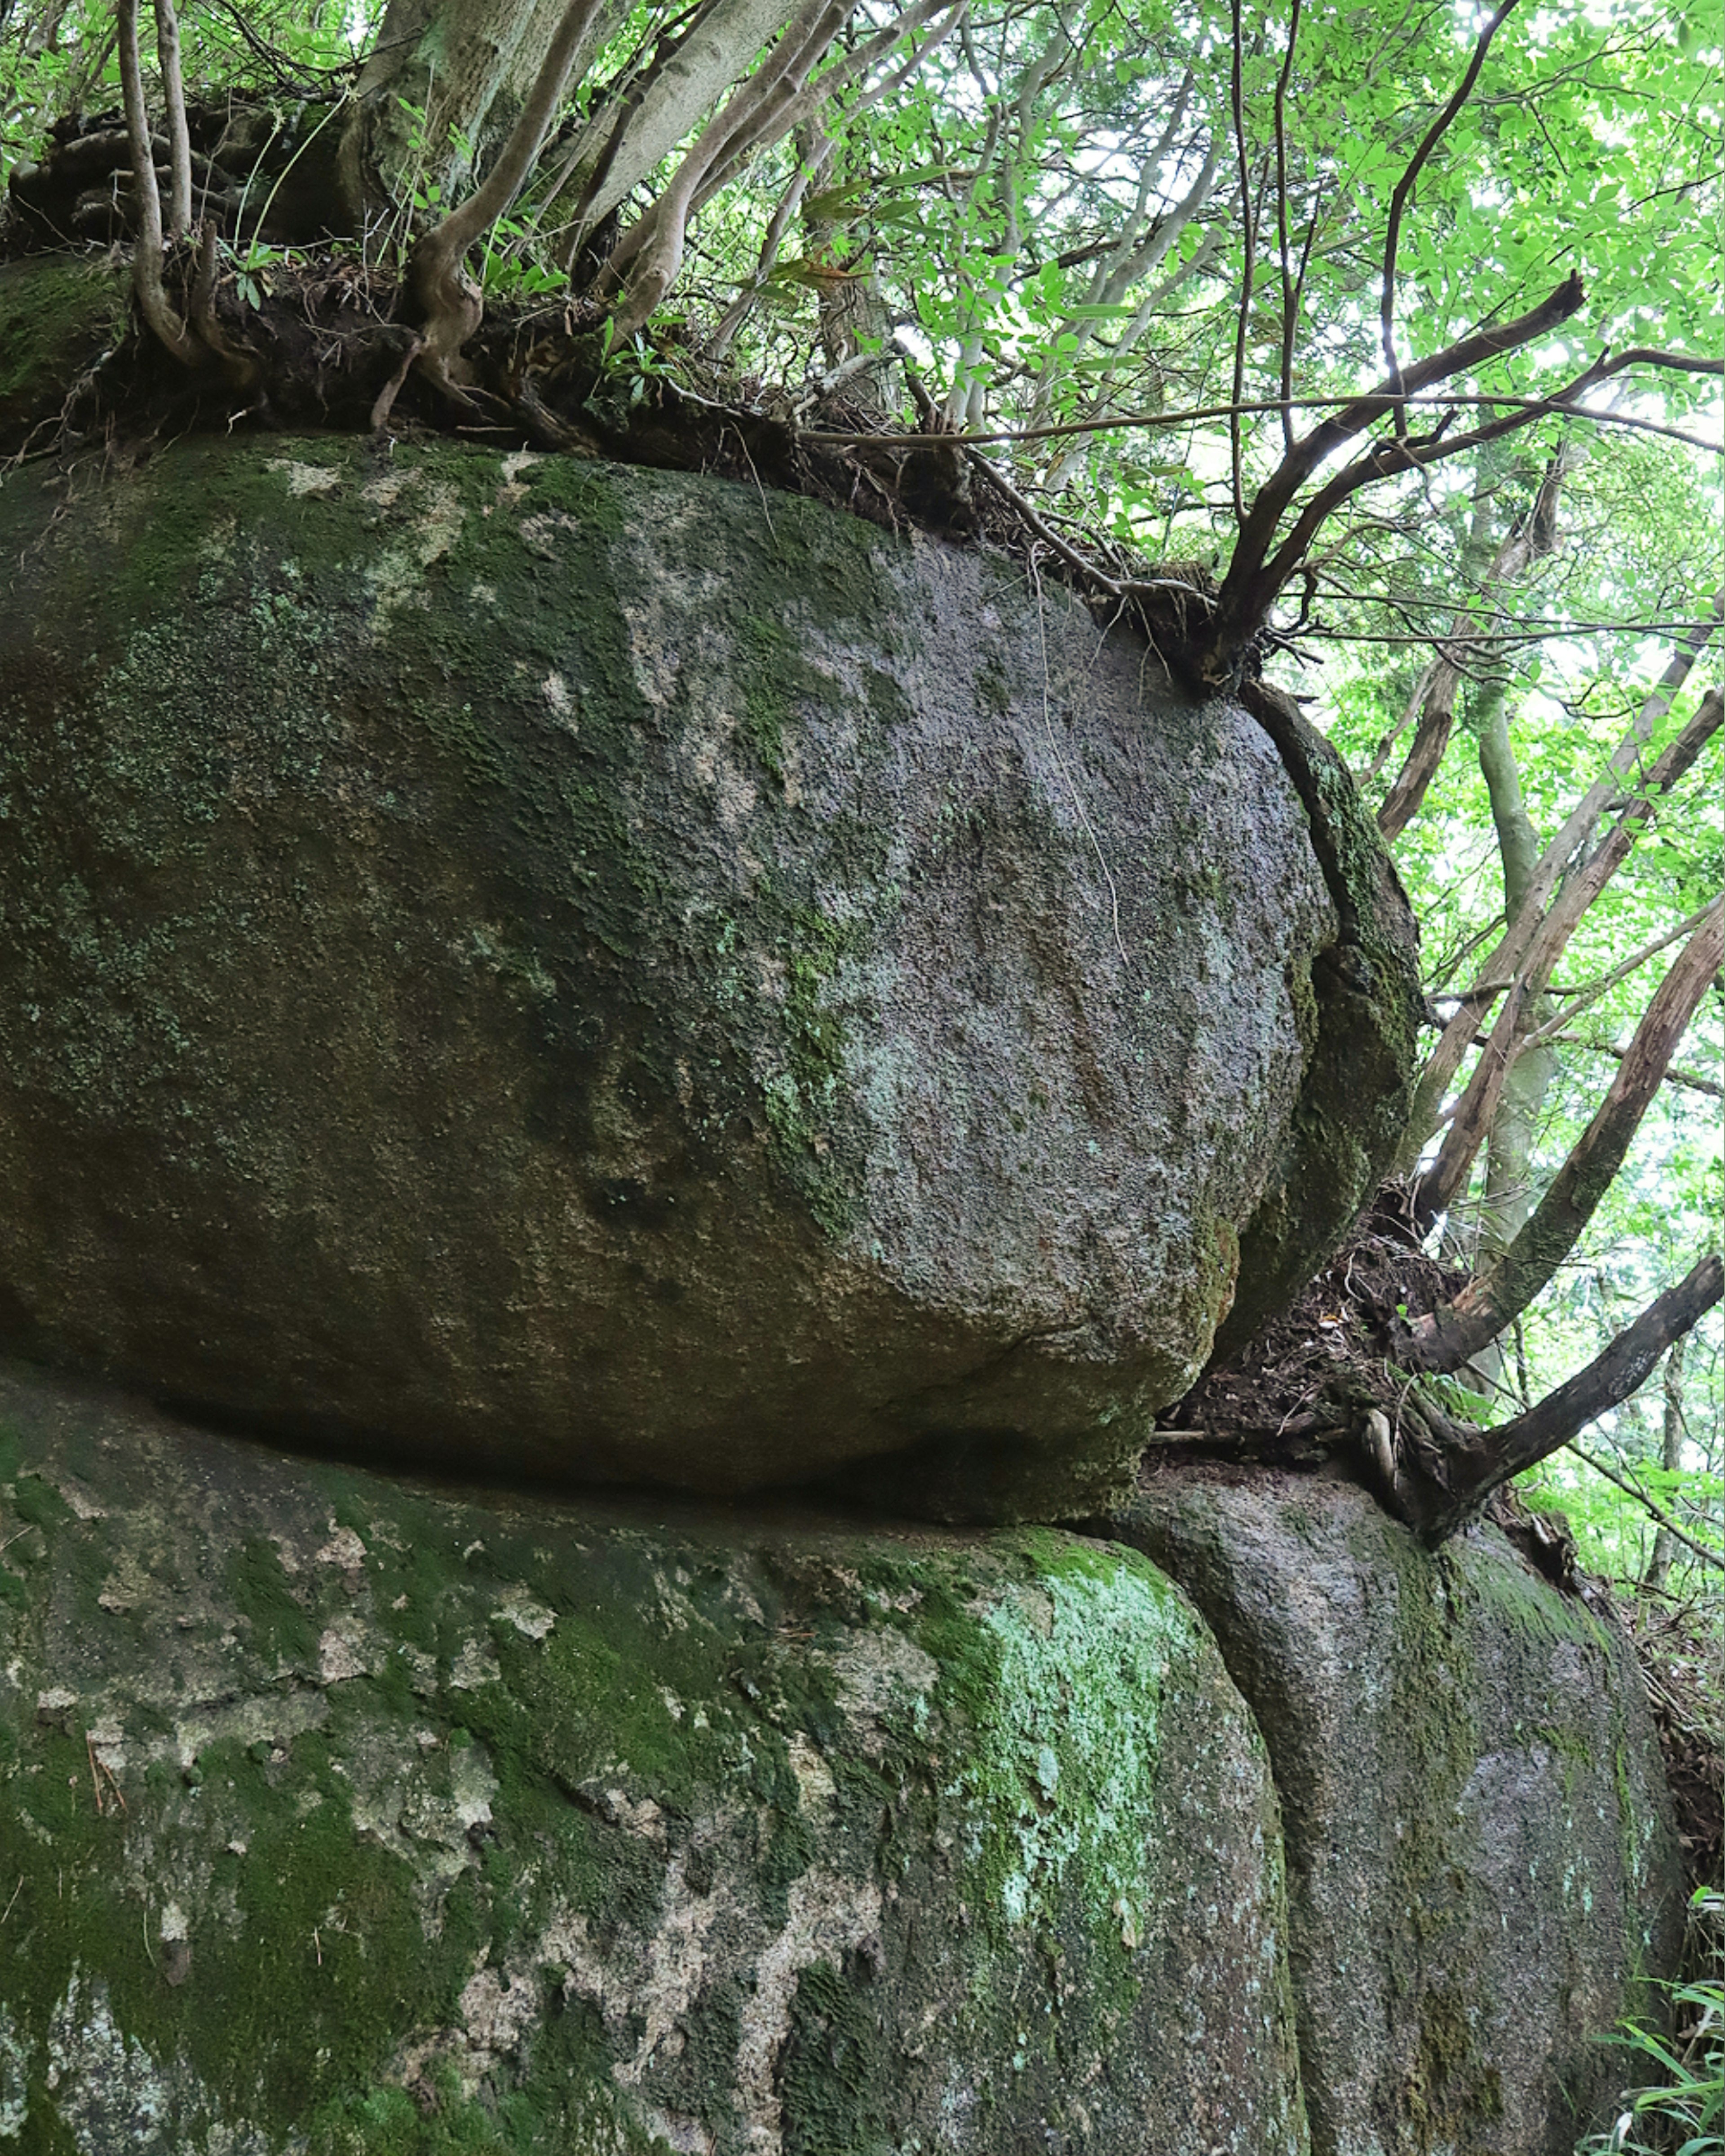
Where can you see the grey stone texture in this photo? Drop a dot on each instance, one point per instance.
(343, 1816)
(560, 969)
(1481, 1864)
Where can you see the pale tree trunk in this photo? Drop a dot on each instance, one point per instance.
(1509, 1148)
(1484, 564)
(445, 84)
(1508, 960)
(1665, 1543)
(855, 329)
(630, 137)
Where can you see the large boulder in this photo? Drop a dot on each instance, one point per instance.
(578, 971)
(340, 1815)
(1482, 1872)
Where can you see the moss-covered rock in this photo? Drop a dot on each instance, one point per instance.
(1481, 1869)
(565, 968)
(59, 316)
(340, 1814)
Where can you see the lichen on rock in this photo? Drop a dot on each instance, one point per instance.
(370, 1817)
(1482, 1870)
(575, 970)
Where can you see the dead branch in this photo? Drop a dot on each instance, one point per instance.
(1450, 1336)
(1441, 1483)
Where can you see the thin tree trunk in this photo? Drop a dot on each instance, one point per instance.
(1450, 1336)
(1536, 959)
(1530, 536)
(443, 89)
(1499, 971)
(1509, 1145)
(1665, 1543)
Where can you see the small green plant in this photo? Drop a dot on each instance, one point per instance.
(252, 263)
(1681, 2112)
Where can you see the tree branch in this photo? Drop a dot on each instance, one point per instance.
(1531, 535)
(1439, 1486)
(1501, 969)
(1403, 187)
(1288, 300)
(1249, 243)
(1253, 580)
(1448, 1336)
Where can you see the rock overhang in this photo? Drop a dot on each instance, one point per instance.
(565, 969)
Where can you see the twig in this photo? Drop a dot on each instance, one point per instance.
(1289, 290)
(1398, 201)
(1658, 1512)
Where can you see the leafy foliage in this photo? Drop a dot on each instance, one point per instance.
(1680, 2110)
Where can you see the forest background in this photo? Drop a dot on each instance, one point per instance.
(1139, 255)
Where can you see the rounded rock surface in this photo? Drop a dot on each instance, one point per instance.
(560, 969)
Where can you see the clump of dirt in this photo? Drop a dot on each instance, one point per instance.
(1678, 1649)
(1310, 1374)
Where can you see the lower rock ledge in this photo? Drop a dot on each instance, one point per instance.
(341, 1813)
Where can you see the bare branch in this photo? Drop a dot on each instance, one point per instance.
(1450, 1336)
(1577, 1000)
(1532, 535)
(1439, 1487)
(1537, 407)
(1403, 187)
(1688, 1081)
(1500, 970)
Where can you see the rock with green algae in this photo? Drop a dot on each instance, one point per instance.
(1482, 1872)
(340, 1814)
(556, 969)
(60, 316)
